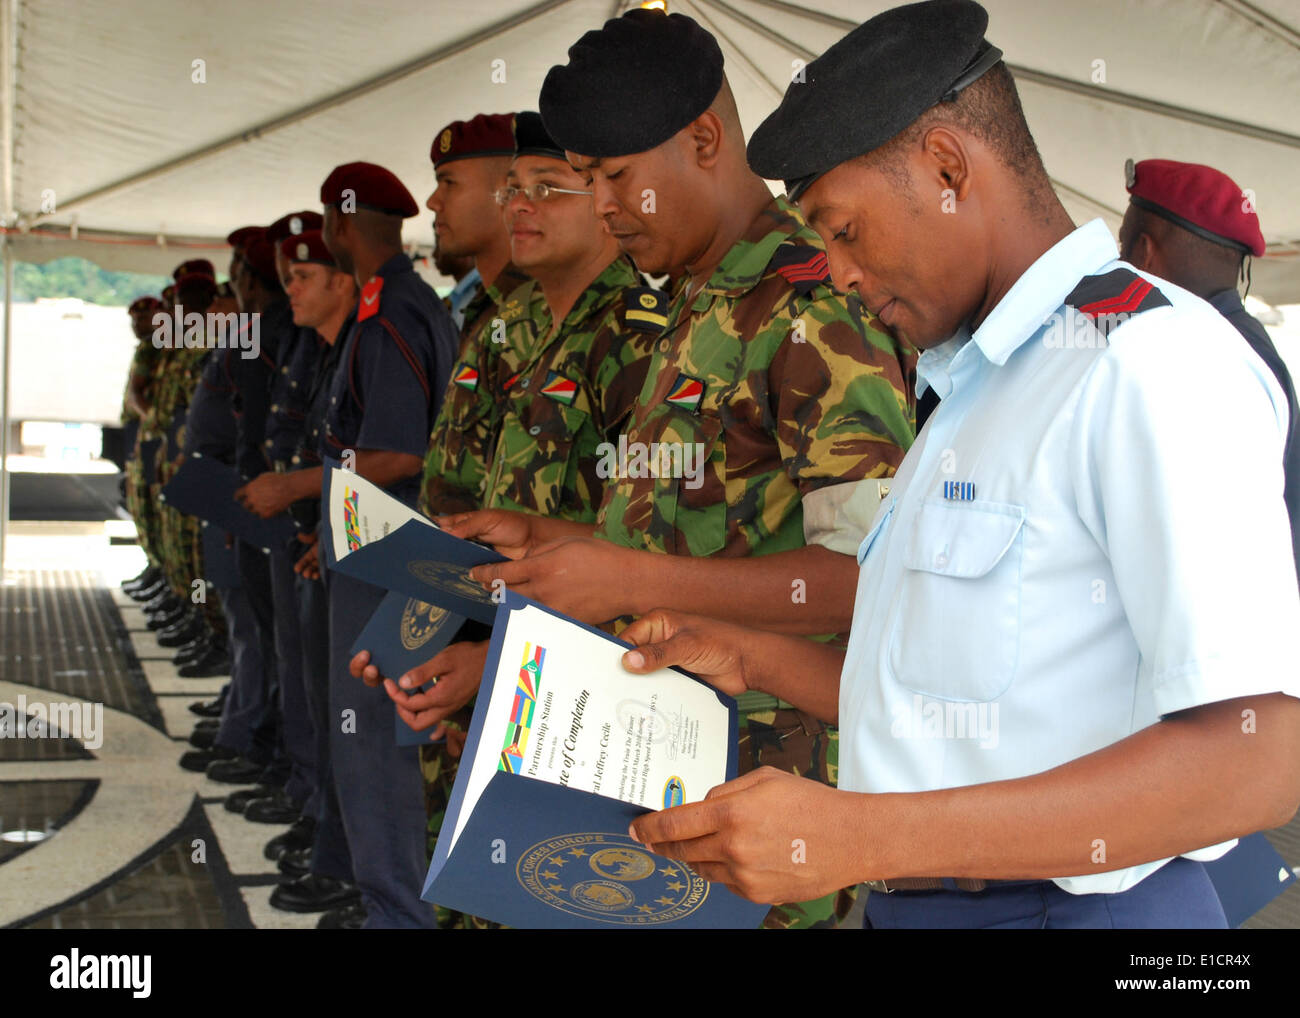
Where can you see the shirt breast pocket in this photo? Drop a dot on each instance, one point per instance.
(956, 634)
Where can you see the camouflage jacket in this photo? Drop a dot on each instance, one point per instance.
(174, 379)
(780, 385)
(460, 445)
(570, 393)
(143, 362)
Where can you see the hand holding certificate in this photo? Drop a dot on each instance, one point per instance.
(380, 540)
(565, 748)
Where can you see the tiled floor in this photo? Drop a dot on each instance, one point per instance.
(130, 839)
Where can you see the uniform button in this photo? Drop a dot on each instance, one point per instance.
(267, 443)
(524, 384)
(284, 370)
(941, 560)
(535, 430)
(275, 408)
(663, 345)
(297, 460)
(293, 384)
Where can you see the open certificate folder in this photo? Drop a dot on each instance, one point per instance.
(378, 539)
(565, 749)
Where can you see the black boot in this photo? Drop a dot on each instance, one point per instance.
(215, 661)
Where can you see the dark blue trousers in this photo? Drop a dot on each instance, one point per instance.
(295, 718)
(380, 793)
(1179, 895)
(329, 851)
(246, 726)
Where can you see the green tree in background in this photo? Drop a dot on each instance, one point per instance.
(76, 277)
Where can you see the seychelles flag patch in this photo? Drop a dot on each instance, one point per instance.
(560, 388)
(466, 377)
(687, 392)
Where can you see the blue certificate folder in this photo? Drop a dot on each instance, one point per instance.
(205, 488)
(418, 560)
(1248, 877)
(538, 855)
(402, 633)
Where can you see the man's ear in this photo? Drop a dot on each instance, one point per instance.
(706, 133)
(1144, 253)
(946, 161)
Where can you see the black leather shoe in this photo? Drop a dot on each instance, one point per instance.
(208, 723)
(274, 809)
(195, 649)
(349, 917)
(164, 619)
(294, 863)
(300, 835)
(210, 709)
(146, 594)
(198, 759)
(313, 893)
(186, 631)
(239, 771)
(203, 738)
(165, 601)
(237, 802)
(214, 662)
(145, 580)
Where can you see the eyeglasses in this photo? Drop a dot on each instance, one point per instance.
(534, 192)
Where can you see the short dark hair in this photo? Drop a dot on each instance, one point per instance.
(990, 110)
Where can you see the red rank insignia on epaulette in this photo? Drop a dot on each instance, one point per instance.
(369, 306)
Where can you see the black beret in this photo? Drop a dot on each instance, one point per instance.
(532, 138)
(869, 87)
(632, 85)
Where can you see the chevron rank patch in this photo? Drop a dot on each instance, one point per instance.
(802, 266)
(466, 377)
(369, 304)
(1111, 299)
(687, 392)
(560, 388)
(646, 309)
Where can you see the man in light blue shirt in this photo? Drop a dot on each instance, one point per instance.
(1072, 670)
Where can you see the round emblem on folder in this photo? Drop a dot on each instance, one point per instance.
(610, 878)
(419, 622)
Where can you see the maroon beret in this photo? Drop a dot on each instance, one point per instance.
(308, 246)
(488, 134)
(239, 238)
(194, 267)
(293, 224)
(372, 187)
(197, 281)
(168, 292)
(144, 304)
(1197, 198)
(260, 256)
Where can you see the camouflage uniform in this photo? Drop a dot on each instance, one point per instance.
(561, 395)
(460, 445)
(182, 547)
(788, 388)
(144, 512)
(571, 392)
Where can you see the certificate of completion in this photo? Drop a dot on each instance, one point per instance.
(566, 747)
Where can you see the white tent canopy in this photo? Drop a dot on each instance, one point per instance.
(105, 132)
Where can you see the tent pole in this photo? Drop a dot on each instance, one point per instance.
(4, 397)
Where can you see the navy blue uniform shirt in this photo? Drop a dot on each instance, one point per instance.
(394, 364)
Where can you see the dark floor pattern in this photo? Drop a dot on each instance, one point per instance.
(39, 806)
(60, 630)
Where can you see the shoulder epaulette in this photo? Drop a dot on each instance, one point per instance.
(1111, 299)
(802, 266)
(645, 309)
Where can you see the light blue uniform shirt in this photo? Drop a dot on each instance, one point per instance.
(1124, 551)
(461, 294)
